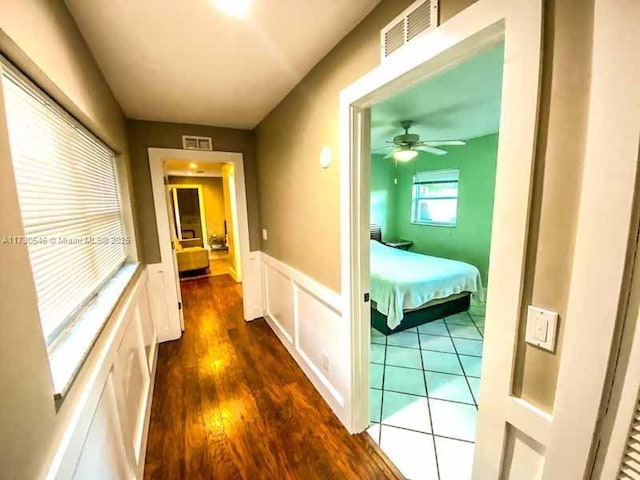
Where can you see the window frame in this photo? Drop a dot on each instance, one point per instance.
(83, 327)
(416, 198)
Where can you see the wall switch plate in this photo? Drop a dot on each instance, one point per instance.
(264, 233)
(541, 328)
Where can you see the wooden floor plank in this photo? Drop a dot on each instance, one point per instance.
(230, 402)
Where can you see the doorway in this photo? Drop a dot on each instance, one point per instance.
(195, 167)
(203, 216)
(432, 180)
(477, 29)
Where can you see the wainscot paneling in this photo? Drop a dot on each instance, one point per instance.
(307, 318)
(106, 435)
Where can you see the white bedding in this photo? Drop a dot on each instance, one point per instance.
(402, 280)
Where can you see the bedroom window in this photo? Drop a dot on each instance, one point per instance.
(435, 198)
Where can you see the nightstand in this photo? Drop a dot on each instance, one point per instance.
(400, 244)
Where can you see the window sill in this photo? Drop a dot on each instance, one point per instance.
(68, 356)
(434, 224)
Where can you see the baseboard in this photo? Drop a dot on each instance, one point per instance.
(234, 274)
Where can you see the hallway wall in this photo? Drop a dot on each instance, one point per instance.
(144, 134)
(308, 237)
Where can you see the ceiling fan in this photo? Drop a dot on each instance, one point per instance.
(406, 146)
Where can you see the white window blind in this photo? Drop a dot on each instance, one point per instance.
(70, 204)
(435, 198)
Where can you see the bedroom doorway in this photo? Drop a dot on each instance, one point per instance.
(433, 149)
(485, 26)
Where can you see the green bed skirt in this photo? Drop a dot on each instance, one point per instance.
(422, 316)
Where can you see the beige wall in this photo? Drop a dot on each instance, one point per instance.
(143, 134)
(213, 199)
(290, 138)
(308, 237)
(41, 38)
(566, 71)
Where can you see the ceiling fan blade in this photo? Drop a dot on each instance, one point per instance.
(435, 151)
(437, 143)
(381, 149)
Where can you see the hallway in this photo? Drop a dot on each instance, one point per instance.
(230, 402)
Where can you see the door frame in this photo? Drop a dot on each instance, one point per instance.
(176, 210)
(477, 28)
(251, 294)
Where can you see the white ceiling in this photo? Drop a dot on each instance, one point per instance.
(460, 103)
(186, 61)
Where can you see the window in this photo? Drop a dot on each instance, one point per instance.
(70, 204)
(435, 198)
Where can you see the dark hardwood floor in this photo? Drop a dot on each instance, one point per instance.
(230, 402)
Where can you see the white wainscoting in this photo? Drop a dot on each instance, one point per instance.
(106, 435)
(307, 318)
(523, 456)
(252, 285)
(164, 302)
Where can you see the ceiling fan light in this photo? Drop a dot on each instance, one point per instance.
(234, 8)
(405, 155)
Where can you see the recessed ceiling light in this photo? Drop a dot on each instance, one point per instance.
(193, 165)
(236, 8)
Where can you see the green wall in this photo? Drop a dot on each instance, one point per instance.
(383, 201)
(470, 240)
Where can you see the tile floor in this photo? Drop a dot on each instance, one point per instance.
(424, 395)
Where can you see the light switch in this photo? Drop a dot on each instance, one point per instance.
(264, 233)
(541, 328)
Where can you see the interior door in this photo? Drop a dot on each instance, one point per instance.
(174, 239)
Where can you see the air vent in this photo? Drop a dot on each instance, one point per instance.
(419, 18)
(630, 466)
(394, 38)
(190, 142)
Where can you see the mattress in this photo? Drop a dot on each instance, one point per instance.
(402, 280)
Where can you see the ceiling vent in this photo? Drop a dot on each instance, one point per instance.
(419, 18)
(189, 142)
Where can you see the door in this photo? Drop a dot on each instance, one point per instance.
(174, 239)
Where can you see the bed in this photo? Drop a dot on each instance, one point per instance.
(409, 289)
